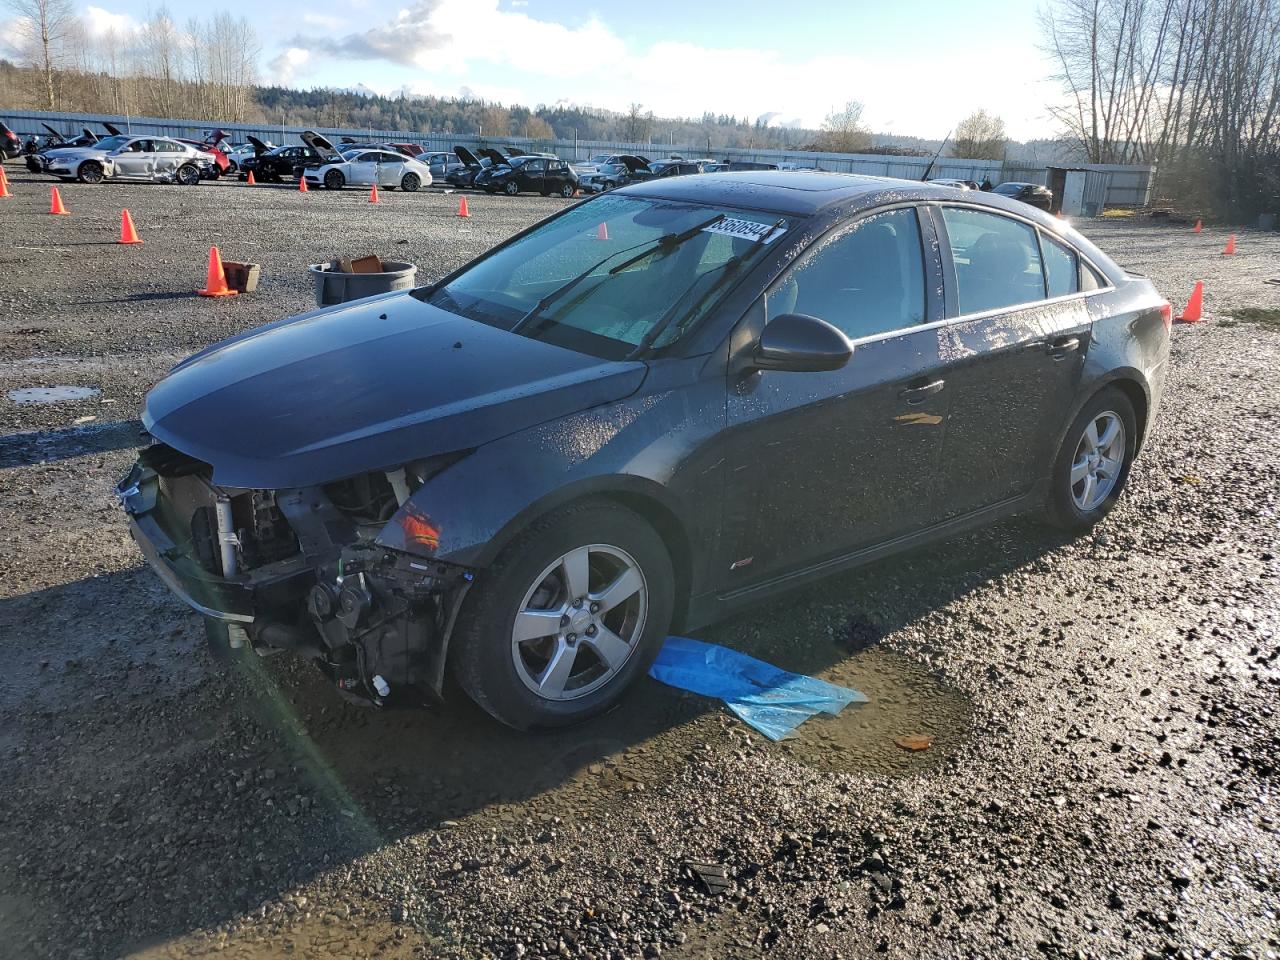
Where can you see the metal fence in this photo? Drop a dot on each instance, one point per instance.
(1129, 185)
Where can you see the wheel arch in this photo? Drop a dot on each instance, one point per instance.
(1132, 384)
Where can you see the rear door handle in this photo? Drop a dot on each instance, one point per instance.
(1062, 346)
(918, 394)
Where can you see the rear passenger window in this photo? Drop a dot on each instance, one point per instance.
(865, 281)
(1061, 269)
(1091, 279)
(997, 260)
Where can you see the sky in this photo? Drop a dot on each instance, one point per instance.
(917, 66)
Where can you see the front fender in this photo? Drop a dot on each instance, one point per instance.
(662, 446)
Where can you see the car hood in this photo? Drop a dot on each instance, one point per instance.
(367, 386)
(75, 153)
(321, 145)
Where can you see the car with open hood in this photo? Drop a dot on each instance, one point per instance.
(158, 159)
(637, 416)
(57, 141)
(529, 174)
(363, 167)
(274, 164)
(10, 143)
(616, 171)
(470, 165)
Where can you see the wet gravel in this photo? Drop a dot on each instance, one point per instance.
(1101, 711)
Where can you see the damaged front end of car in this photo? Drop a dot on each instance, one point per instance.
(342, 573)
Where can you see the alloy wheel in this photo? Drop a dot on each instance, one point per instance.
(580, 622)
(1098, 460)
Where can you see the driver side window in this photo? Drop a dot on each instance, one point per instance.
(864, 281)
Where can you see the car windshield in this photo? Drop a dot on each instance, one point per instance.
(112, 143)
(612, 274)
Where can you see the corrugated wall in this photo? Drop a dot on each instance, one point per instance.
(1129, 185)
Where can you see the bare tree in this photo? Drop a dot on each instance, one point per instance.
(842, 130)
(980, 136)
(637, 124)
(43, 26)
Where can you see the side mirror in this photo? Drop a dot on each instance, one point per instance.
(801, 344)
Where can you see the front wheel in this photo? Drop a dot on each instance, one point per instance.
(572, 612)
(1093, 464)
(90, 172)
(334, 180)
(567, 191)
(188, 175)
(511, 189)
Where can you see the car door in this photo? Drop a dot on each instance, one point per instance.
(136, 159)
(362, 168)
(168, 157)
(389, 169)
(1013, 355)
(531, 175)
(825, 464)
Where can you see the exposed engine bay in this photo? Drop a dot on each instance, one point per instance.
(300, 570)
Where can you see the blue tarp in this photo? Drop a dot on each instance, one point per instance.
(773, 701)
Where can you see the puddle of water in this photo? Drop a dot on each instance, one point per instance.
(905, 700)
(59, 394)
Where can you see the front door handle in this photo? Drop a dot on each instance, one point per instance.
(1062, 346)
(917, 394)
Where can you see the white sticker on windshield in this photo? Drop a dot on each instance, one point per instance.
(745, 229)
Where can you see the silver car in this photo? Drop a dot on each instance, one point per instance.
(158, 159)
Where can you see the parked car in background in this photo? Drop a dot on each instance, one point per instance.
(469, 167)
(364, 168)
(674, 168)
(54, 141)
(440, 163)
(239, 152)
(221, 163)
(273, 164)
(531, 174)
(159, 159)
(618, 171)
(713, 345)
(10, 143)
(1030, 193)
(957, 184)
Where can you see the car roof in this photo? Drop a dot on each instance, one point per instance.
(804, 193)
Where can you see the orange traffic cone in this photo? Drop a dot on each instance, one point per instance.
(302, 184)
(373, 194)
(4, 185)
(55, 206)
(215, 284)
(251, 181)
(602, 231)
(1193, 312)
(127, 233)
(1231, 246)
(1196, 228)
(462, 208)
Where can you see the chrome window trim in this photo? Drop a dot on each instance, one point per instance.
(919, 206)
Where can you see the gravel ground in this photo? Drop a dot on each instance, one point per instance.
(1102, 710)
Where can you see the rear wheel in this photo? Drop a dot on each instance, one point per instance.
(573, 611)
(188, 175)
(334, 180)
(410, 182)
(1093, 464)
(90, 172)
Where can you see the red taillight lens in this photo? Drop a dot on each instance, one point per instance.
(1166, 315)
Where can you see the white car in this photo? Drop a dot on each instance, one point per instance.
(240, 152)
(128, 158)
(363, 167)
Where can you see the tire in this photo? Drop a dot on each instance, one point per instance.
(511, 189)
(334, 180)
(188, 175)
(90, 172)
(410, 183)
(500, 673)
(1078, 505)
(567, 191)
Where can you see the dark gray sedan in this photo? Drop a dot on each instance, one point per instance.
(636, 416)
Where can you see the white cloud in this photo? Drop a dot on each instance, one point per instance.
(511, 56)
(99, 23)
(14, 33)
(285, 66)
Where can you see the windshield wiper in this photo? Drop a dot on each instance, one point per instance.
(666, 240)
(730, 269)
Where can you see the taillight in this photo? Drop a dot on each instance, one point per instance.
(1166, 315)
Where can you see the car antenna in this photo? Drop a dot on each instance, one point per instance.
(929, 169)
